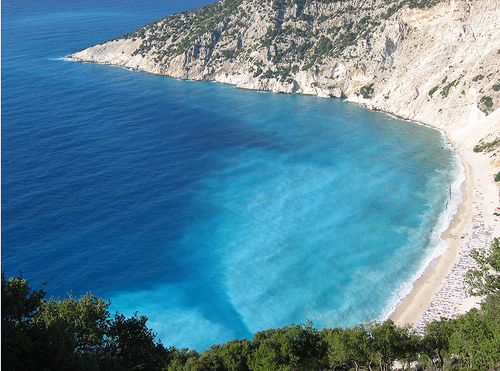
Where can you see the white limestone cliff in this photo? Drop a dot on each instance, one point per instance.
(439, 66)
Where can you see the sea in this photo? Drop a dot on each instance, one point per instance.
(215, 212)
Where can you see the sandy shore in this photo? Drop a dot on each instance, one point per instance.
(441, 292)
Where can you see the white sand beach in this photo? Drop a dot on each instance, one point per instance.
(441, 291)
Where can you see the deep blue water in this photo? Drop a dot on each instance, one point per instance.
(215, 212)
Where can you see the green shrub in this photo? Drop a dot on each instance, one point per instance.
(308, 65)
(258, 72)
(487, 147)
(367, 91)
(433, 90)
(487, 101)
(446, 89)
(478, 77)
(323, 46)
(423, 4)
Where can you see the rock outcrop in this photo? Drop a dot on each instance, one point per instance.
(432, 61)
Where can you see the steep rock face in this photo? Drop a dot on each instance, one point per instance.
(435, 64)
(445, 65)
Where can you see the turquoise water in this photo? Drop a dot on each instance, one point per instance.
(215, 212)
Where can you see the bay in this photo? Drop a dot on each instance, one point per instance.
(215, 212)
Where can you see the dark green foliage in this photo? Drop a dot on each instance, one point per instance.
(228, 53)
(496, 87)
(436, 342)
(486, 278)
(26, 346)
(79, 334)
(234, 354)
(86, 318)
(133, 345)
(486, 104)
(497, 177)
(309, 65)
(19, 301)
(269, 74)
(21, 338)
(324, 46)
(303, 49)
(179, 358)
(477, 77)
(206, 361)
(393, 9)
(72, 334)
(433, 90)
(295, 347)
(423, 4)
(258, 72)
(472, 341)
(306, 17)
(389, 343)
(346, 348)
(487, 147)
(367, 91)
(476, 336)
(487, 101)
(446, 89)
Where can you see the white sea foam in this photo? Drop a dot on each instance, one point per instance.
(437, 245)
(65, 59)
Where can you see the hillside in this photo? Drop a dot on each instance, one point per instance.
(432, 61)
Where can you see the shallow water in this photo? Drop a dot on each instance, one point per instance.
(214, 211)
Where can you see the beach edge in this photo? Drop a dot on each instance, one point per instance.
(480, 197)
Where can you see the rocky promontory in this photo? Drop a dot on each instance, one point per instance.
(432, 61)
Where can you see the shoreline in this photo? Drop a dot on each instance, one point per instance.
(440, 291)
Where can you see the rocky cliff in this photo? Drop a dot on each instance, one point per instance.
(432, 61)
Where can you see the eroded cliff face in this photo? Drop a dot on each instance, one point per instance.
(438, 65)
(445, 66)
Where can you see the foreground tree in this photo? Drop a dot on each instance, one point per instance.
(84, 318)
(180, 357)
(19, 301)
(132, 344)
(486, 278)
(347, 348)
(436, 342)
(234, 354)
(25, 344)
(389, 343)
(72, 334)
(295, 347)
(79, 334)
(475, 337)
